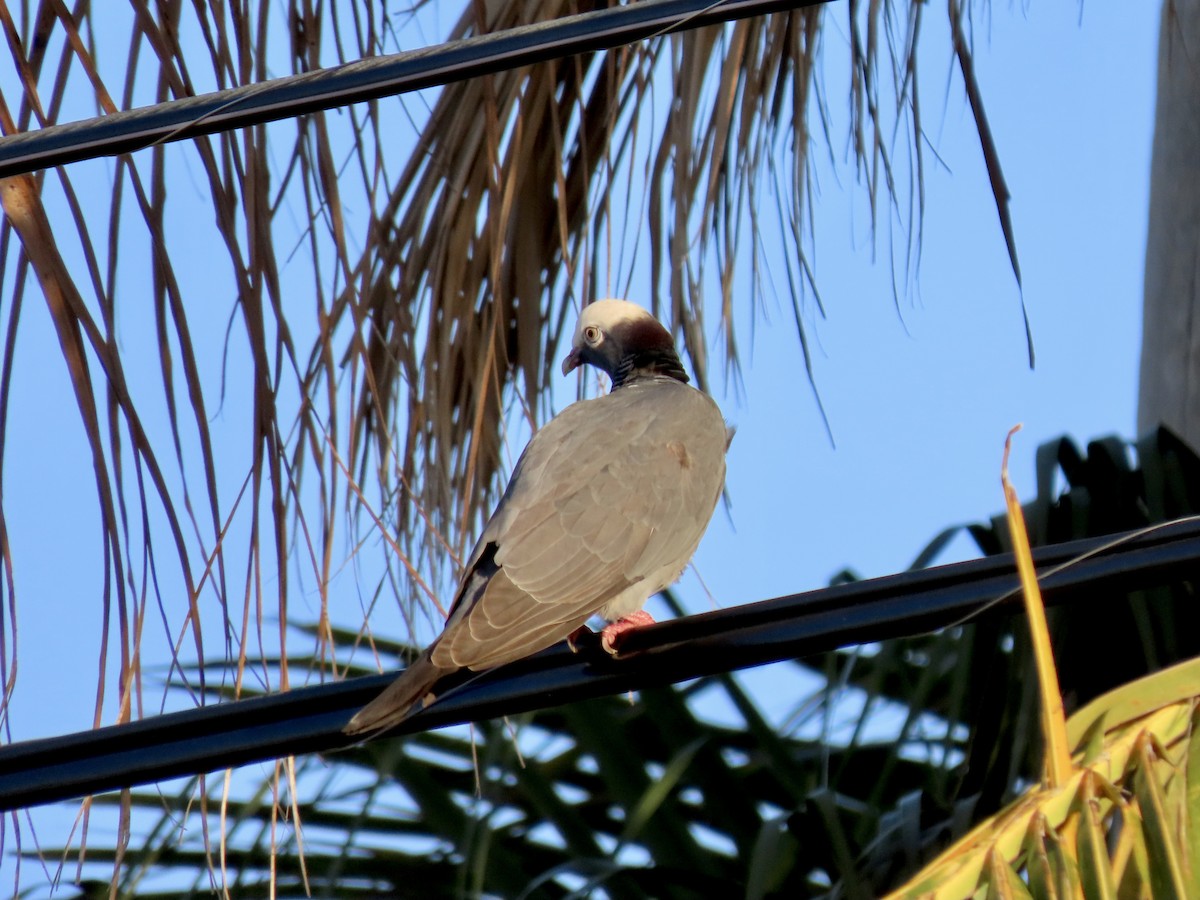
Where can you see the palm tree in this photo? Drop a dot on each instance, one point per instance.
(1169, 367)
(395, 278)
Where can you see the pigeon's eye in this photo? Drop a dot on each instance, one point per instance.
(592, 334)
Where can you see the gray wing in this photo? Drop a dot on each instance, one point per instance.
(611, 492)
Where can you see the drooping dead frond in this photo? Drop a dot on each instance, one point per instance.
(270, 330)
(443, 264)
(503, 220)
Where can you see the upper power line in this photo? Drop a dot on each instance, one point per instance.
(367, 79)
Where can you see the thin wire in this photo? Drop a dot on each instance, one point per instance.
(310, 719)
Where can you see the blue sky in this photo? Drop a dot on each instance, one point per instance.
(919, 391)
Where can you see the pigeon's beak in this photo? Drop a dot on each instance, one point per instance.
(573, 361)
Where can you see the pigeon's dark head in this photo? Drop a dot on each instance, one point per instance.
(623, 340)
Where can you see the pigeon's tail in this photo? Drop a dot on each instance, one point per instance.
(398, 699)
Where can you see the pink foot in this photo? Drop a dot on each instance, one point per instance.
(610, 636)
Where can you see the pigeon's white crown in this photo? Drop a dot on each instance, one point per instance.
(633, 322)
(608, 313)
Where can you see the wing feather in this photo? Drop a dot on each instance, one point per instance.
(611, 494)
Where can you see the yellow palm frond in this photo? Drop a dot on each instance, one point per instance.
(1121, 813)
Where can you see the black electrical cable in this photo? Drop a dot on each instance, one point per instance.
(310, 719)
(367, 79)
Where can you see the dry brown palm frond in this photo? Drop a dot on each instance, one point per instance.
(86, 279)
(443, 273)
(503, 219)
(268, 330)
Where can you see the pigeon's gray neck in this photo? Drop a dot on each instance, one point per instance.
(648, 364)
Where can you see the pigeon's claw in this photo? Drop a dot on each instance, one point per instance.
(610, 637)
(574, 637)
